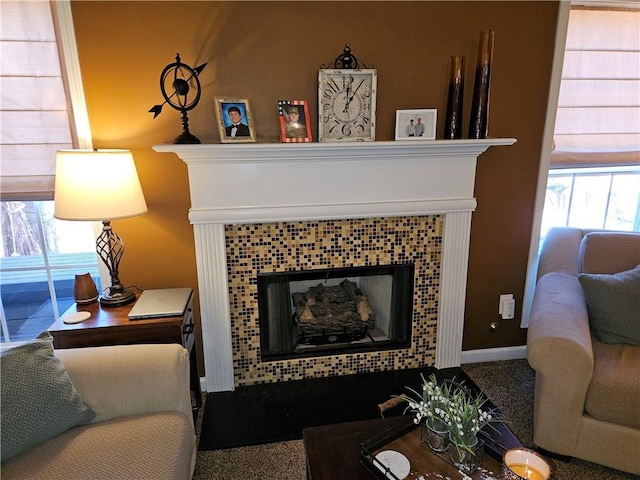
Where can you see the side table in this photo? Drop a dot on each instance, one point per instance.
(111, 326)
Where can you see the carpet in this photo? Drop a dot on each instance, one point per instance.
(509, 384)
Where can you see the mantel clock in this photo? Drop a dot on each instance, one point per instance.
(347, 101)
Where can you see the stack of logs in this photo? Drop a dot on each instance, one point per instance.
(336, 310)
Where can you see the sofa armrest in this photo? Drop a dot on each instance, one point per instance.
(123, 380)
(560, 251)
(559, 349)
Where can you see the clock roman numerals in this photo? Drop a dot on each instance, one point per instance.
(333, 88)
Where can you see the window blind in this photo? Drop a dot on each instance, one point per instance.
(34, 111)
(598, 115)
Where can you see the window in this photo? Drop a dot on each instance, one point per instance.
(39, 260)
(596, 197)
(594, 177)
(591, 179)
(39, 256)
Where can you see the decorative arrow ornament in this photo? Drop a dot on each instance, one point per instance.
(177, 81)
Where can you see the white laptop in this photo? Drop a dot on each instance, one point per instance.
(162, 302)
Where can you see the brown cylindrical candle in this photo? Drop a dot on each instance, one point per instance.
(453, 119)
(479, 121)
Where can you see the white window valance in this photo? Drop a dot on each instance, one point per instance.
(35, 113)
(598, 115)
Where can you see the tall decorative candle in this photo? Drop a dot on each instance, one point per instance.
(452, 126)
(479, 122)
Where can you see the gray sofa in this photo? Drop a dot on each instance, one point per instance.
(143, 425)
(587, 391)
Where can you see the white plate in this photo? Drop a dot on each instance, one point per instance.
(76, 317)
(395, 462)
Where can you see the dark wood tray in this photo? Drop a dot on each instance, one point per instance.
(406, 439)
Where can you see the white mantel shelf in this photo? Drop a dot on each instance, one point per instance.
(265, 182)
(306, 152)
(270, 182)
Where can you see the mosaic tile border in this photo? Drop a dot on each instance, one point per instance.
(306, 245)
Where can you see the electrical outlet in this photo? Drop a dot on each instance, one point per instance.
(507, 306)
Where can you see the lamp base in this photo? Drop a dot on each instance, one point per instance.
(110, 300)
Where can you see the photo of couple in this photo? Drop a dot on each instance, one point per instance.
(416, 124)
(415, 129)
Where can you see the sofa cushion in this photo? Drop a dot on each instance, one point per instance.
(38, 399)
(615, 385)
(613, 302)
(155, 446)
(609, 252)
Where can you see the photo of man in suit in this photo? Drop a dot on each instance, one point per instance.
(236, 128)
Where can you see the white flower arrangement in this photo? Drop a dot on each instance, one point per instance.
(432, 405)
(469, 417)
(450, 407)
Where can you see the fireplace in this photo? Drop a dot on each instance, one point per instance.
(259, 208)
(336, 310)
(256, 251)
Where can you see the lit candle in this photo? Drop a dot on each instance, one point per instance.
(526, 471)
(524, 464)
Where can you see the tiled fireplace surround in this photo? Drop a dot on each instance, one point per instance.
(286, 207)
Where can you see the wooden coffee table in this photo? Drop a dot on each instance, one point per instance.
(333, 451)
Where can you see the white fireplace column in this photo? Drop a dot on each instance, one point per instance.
(260, 183)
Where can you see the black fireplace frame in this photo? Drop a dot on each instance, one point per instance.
(401, 314)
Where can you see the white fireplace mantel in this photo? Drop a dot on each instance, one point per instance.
(256, 183)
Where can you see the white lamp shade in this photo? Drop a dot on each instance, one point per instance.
(97, 185)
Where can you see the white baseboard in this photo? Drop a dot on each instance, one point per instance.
(203, 383)
(493, 354)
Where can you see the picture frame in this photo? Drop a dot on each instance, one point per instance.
(408, 120)
(295, 121)
(230, 110)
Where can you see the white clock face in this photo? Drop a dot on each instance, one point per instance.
(347, 105)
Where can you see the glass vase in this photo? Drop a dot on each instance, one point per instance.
(479, 121)
(453, 118)
(465, 460)
(435, 439)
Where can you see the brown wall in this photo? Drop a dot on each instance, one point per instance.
(266, 51)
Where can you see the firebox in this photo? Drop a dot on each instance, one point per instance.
(337, 310)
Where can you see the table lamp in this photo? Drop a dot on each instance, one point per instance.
(100, 185)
